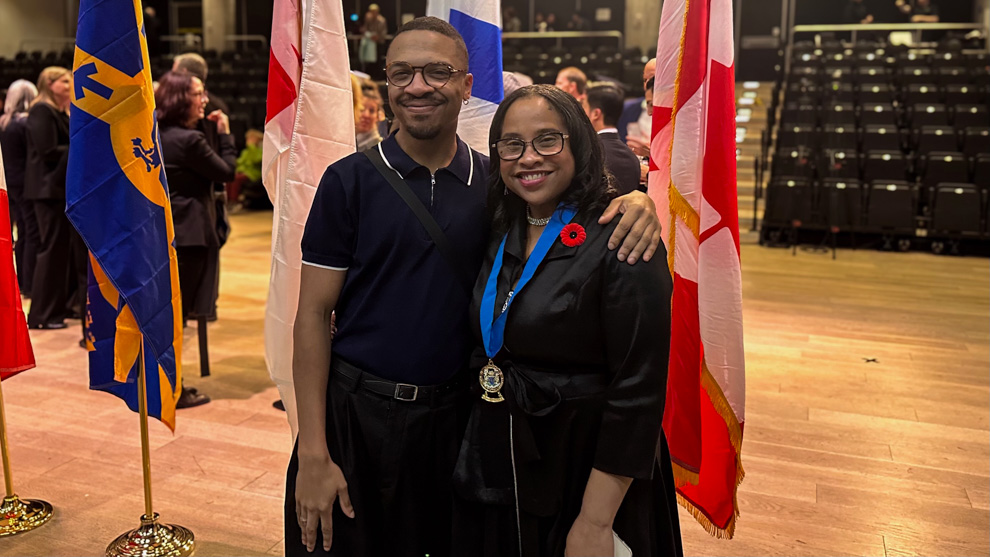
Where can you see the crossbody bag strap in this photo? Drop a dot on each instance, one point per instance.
(425, 218)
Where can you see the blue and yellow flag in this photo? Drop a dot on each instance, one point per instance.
(117, 198)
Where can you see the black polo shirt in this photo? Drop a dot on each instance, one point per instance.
(403, 311)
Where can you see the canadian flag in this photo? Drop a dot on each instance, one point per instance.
(310, 124)
(693, 183)
(16, 354)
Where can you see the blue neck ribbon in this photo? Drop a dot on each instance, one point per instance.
(493, 331)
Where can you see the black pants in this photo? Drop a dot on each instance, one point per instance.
(397, 458)
(26, 248)
(59, 283)
(198, 267)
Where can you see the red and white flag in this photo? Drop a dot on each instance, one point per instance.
(693, 183)
(16, 354)
(310, 125)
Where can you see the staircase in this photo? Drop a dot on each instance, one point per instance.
(752, 102)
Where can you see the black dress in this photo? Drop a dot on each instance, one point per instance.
(585, 363)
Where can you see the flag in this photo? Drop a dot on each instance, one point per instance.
(117, 198)
(480, 23)
(693, 183)
(310, 126)
(15, 344)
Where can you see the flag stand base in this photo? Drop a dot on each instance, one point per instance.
(153, 539)
(22, 515)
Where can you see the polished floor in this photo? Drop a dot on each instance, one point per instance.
(867, 432)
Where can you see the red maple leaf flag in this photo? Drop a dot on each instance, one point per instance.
(16, 354)
(693, 183)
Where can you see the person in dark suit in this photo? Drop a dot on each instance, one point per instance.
(604, 107)
(192, 166)
(564, 443)
(13, 141)
(58, 288)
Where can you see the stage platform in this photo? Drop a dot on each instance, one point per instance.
(867, 430)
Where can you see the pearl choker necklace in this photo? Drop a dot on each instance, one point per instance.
(535, 221)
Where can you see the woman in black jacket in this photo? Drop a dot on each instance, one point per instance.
(192, 165)
(13, 142)
(59, 286)
(563, 453)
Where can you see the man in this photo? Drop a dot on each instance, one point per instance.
(604, 108)
(195, 64)
(572, 81)
(857, 12)
(380, 429)
(638, 139)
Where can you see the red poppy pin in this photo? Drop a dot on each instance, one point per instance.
(573, 235)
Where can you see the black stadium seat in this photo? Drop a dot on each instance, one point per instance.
(953, 75)
(842, 203)
(843, 114)
(935, 138)
(789, 199)
(956, 208)
(839, 163)
(972, 115)
(793, 162)
(839, 137)
(891, 205)
(922, 93)
(875, 93)
(963, 94)
(944, 167)
(976, 140)
(886, 138)
(882, 114)
(981, 170)
(796, 135)
(929, 115)
(885, 165)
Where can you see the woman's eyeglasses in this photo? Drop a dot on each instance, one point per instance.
(436, 75)
(546, 144)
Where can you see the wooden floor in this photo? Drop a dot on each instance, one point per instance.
(868, 412)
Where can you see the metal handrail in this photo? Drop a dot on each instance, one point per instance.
(248, 39)
(21, 47)
(886, 27)
(561, 35)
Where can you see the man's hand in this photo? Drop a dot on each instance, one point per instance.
(638, 231)
(589, 539)
(319, 483)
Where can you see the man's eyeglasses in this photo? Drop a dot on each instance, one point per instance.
(436, 75)
(546, 144)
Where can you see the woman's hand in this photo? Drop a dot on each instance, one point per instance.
(319, 483)
(589, 539)
(639, 229)
(642, 149)
(221, 120)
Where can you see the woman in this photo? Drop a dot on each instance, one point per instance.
(564, 444)
(13, 143)
(368, 116)
(192, 165)
(58, 288)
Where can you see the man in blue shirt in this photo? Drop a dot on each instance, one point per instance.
(380, 423)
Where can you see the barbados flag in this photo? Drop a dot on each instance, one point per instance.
(117, 198)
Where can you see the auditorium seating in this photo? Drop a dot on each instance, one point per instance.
(881, 140)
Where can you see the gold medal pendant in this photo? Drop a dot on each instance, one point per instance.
(491, 379)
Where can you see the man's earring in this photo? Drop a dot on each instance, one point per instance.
(465, 102)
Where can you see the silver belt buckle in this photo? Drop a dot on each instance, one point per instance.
(402, 390)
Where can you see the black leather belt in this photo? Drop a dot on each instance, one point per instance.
(425, 394)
